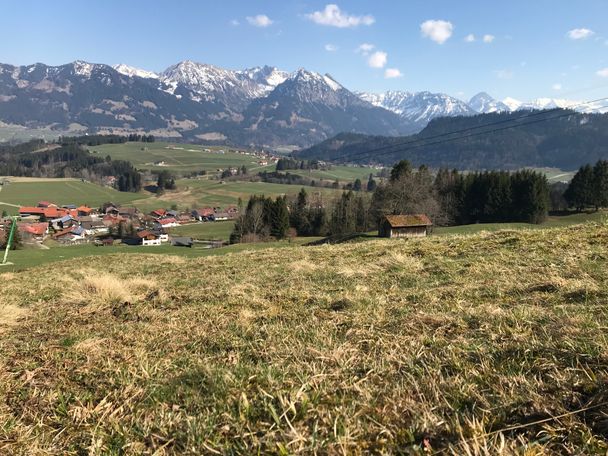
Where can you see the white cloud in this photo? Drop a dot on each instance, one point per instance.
(504, 74)
(580, 34)
(391, 73)
(235, 22)
(331, 47)
(603, 73)
(378, 59)
(437, 30)
(470, 38)
(365, 48)
(488, 38)
(261, 20)
(333, 16)
(556, 86)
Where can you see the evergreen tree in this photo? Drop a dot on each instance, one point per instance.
(371, 183)
(600, 184)
(580, 191)
(279, 223)
(401, 169)
(357, 185)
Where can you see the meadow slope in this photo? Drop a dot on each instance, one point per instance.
(485, 344)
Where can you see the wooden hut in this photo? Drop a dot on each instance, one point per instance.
(396, 226)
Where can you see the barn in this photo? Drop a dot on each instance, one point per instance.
(400, 226)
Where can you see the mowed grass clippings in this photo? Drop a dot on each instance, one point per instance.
(374, 347)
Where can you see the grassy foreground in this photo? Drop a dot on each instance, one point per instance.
(483, 343)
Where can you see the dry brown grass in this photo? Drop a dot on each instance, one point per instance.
(350, 349)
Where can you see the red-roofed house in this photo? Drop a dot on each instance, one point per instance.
(83, 211)
(166, 223)
(35, 231)
(158, 213)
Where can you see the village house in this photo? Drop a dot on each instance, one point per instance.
(148, 238)
(75, 234)
(165, 223)
(203, 214)
(33, 231)
(158, 213)
(127, 212)
(405, 226)
(84, 211)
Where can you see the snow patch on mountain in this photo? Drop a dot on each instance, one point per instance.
(132, 71)
(418, 107)
(484, 103)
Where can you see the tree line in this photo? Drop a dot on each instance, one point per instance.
(589, 187)
(67, 160)
(447, 198)
(292, 163)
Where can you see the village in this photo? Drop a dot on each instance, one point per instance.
(109, 224)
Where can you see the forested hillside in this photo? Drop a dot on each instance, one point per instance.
(556, 138)
(68, 159)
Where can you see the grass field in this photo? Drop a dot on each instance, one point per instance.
(490, 343)
(204, 192)
(33, 257)
(341, 173)
(190, 193)
(552, 222)
(28, 191)
(206, 231)
(184, 158)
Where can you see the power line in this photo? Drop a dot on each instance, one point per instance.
(413, 143)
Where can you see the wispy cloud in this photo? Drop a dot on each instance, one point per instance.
(377, 59)
(488, 38)
(557, 86)
(504, 74)
(333, 16)
(603, 73)
(580, 34)
(392, 73)
(261, 20)
(331, 47)
(365, 48)
(235, 22)
(470, 38)
(438, 31)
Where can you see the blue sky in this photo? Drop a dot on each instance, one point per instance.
(531, 49)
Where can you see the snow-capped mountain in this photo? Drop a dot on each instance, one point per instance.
(213, 84)
(484, 103)
(309, 105)
(267, 77)
(132, 71)
(419, 107)
(195, 101)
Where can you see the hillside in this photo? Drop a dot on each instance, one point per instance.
(354, 348)
(566, 141)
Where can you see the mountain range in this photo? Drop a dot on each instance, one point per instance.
(261, 106)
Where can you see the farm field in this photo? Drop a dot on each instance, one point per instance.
(205, 231)
(556, 175)
(205, 192)
(338, 172)
(28, 191)
(190, 193)
(185, 158)
(490, 343)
